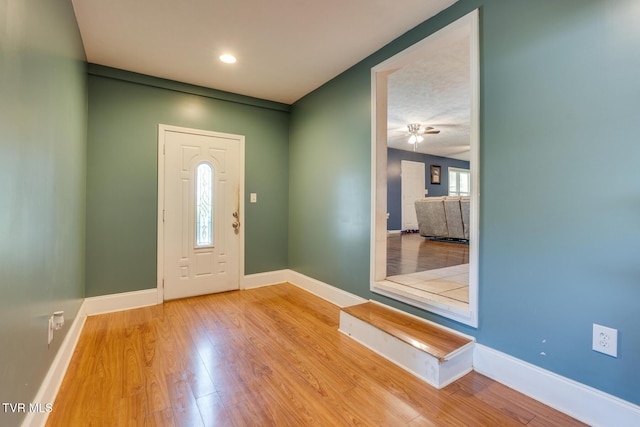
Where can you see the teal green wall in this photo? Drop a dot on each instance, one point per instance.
(124, 112)
(560, 187)
(43, 105)
(329, 183)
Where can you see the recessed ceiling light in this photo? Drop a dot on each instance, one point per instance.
(229, 59)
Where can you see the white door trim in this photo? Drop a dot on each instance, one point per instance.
(378, 251)
(160, 213)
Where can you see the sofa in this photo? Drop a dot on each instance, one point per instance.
(443, 217)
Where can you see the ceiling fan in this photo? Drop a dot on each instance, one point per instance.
(416, 135)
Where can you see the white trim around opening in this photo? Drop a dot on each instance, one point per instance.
(468, 24)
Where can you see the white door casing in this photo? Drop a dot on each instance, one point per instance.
(412, 183)
(468, 26)
(185, 268)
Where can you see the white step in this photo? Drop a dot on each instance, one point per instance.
(433, 353)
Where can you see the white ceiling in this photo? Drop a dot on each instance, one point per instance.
(285, 48)
(433, 91)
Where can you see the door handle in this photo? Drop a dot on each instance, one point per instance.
(236, 223)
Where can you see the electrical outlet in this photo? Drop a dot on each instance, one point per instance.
(50, 333)
(605, 340)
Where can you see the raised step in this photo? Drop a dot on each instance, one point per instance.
(437, 355)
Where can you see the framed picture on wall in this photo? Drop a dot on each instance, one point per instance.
(435, 174)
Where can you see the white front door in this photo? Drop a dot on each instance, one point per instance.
(412, 183)
(201, 212)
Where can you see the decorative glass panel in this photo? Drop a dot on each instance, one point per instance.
(204, 205)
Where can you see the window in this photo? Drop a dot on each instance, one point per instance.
(204, 205)
(459, 182)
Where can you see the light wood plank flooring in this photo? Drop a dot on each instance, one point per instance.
(271, 357)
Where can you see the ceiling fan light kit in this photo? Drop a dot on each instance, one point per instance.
(414, 139)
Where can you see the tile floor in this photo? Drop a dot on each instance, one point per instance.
(448, 282)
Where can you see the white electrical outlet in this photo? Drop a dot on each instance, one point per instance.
(253, 198)
(50, 333)
(605, 340)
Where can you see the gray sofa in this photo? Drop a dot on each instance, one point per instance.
(443, 217)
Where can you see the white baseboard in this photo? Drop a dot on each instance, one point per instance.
(323, 290)
(258, 280)
(575, 399)
(123, 301)
(52, 381)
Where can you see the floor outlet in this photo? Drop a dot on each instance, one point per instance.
(605, 340)
(50, 335)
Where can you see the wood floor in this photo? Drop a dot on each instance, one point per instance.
(410, 253)
(270, 357)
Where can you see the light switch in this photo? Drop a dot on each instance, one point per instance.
(254, 197)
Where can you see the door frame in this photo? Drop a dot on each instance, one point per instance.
(162, 128)
(469, 23)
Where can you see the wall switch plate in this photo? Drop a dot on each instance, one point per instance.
(50, 332)
(254, 197)
(605, 340)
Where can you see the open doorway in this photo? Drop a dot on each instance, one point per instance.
(423, 67)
